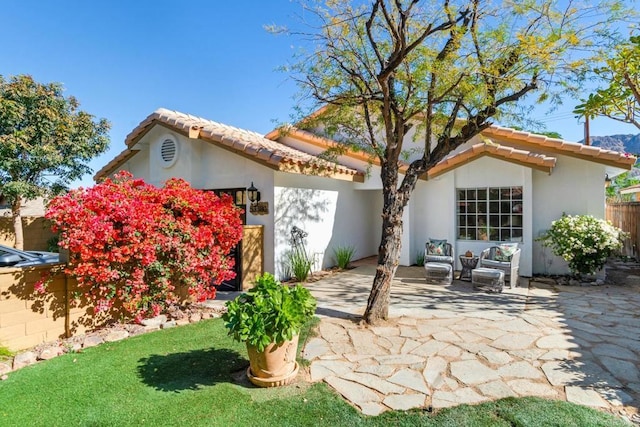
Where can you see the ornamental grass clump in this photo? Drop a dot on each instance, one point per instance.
(583, 241)
(344, 255)
(299, 263)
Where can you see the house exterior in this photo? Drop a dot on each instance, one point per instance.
(633, 191)
(503, 185)
(36, 207)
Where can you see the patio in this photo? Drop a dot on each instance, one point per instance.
(448, 344)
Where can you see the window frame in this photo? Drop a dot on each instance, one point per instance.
(490, 214)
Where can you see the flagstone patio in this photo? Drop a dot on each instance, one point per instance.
(446, 345)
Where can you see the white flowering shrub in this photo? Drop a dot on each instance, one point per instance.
(583, 241)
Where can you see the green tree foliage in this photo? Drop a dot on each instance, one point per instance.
(408, 81)
(621, 181)
(45, 142)
(619, 98)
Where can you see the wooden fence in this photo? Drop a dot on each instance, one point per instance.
(625, 216)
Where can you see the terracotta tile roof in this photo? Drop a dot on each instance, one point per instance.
(559, 146)
(527, 149)
(313, 139)
(509, 154)
(630, 189)
(247, 143)
(125, 155)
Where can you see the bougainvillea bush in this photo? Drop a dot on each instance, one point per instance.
(136, 244)
(583, 241)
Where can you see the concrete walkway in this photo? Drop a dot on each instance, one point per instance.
(448, 345)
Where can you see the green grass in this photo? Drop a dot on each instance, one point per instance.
(194, 376)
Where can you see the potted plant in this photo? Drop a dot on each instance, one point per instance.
(268, 318)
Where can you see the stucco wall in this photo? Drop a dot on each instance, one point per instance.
(138, 165)
(332, 212)
(36, 230)
(575, 187)
(432, 210)
(434, 206)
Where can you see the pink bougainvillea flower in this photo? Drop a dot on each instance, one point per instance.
(132, 245)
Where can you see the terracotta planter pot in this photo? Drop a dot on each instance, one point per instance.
(274, 366)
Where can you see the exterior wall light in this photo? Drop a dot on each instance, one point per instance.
(256, 207)
(253, 194)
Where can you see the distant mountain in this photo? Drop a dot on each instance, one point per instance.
(624, 143)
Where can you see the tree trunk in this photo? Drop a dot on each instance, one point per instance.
(388, 255)
(17, 224)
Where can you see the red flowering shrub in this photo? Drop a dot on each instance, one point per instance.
(131, 242)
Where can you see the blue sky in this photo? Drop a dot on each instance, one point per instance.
(124, 59)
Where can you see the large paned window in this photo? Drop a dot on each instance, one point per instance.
(490, 214)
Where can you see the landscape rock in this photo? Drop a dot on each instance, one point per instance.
(5, 368)
(155, 321)
(92, 341)
(169, 324)
(112, 333)
(116, 335)
(24, 359)
(134, 329)
(50, 352)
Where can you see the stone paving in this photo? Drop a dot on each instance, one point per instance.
(447, 344)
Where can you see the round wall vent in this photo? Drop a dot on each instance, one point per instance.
(168, 151)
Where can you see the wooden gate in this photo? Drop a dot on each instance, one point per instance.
(625, 216)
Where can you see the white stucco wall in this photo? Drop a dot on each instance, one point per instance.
(339, 213)
(332, 212)
(138, 165)
(434, 206)
(575, 187)
(432, 211)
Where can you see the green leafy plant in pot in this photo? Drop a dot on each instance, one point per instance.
(268, 318)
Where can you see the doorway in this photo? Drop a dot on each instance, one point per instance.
(239, 199)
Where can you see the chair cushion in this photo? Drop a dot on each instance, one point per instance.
(439, 258)
(436, 247)
(489, 263)
(504, 251)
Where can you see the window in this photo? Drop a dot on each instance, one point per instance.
(239, 199)
(490, 214)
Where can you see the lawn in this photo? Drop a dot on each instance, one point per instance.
(193, 376)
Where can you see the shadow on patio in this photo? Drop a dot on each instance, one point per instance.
(582, 342)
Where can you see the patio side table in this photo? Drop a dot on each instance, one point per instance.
(468, 263)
